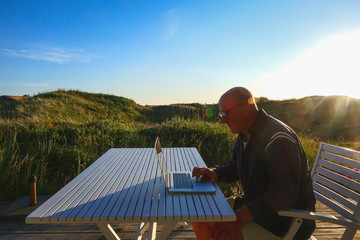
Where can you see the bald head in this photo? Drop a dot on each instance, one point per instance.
(238, 109)
(238, 95)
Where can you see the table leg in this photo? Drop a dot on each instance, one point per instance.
(108, 231)
(142, 227)
(166, 230)
(152, 231)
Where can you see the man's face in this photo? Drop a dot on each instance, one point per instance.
(234, 115)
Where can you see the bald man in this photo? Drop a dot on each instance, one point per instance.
(271, 165)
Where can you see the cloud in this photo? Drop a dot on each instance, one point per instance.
(51, 54)
(329, 68)
(172, 24)
(33, 85)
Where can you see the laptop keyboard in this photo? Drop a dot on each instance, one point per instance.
(182, 180)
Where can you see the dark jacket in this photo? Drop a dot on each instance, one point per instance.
(274, 175)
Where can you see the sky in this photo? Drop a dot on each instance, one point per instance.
(180, 51)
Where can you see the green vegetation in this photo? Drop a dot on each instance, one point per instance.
(56, 135)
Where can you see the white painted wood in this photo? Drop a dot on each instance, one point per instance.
(142, 210)
(97, 204)
(174, 198)
(340, 159)
(91, 192)
(336, 184)
(316, 163)
(343, 151)
(333, 205)
(140, 231)
(108, 231)
(152, 231)
(335, 197)
(321, 217)
(337, 187)
(104, 205)
(113, 209)
(349, 183)
(141, 186)
(72, 197)
(127, 185)
(45, 208)
(146, 212)
(294, 227)
(132, 184)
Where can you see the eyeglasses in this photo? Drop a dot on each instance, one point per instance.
(226, 114)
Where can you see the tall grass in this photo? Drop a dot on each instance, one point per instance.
(57, 152)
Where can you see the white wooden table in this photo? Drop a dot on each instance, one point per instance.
(126, 185)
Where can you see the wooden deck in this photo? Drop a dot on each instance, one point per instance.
(19, 230)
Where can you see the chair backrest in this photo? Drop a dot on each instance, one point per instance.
(336, 180)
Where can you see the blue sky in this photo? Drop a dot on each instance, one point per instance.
(163, 52)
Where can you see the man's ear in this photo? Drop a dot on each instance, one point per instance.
(245, 108)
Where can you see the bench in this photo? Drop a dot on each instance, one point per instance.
(336, 182)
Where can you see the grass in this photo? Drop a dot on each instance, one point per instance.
(57, 135)
(56, 153)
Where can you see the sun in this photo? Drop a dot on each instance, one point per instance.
(329, 68)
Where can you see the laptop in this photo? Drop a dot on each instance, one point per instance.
(181, 181)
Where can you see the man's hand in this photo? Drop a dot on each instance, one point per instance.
(199, 171)
(232, 230)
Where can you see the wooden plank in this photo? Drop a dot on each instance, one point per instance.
(174, 199)
(155, 175)
(94, 214)
(162, 199)
(185, 216)
(333, 205)
(196, 156)
(345, 170)
(155, 199)
(141, 185)
(116, 198)
(190, 198)
(341, 159)
(80, 209)
(168, 196)
(337, 187)
(66, 200)
(142, 212)
(342, 151)
(135, 174)
(102, 195)
(335, 196)
(179, 158)
(78, 201)
(349, 183)
(37, 215)
(219, 208)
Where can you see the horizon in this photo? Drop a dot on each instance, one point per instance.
(256, 97)
(160, 53)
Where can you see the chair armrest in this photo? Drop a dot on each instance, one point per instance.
(319, 216)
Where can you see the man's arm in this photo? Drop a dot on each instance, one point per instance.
(284, 166)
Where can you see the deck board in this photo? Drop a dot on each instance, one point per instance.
(19, 230)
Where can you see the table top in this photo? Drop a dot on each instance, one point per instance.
(126, 185)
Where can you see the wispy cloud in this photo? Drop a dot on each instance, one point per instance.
(172, 24)
(33, 85)
(51, 54)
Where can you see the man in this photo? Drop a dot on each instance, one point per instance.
(270, 162)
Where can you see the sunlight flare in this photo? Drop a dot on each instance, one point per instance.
(329, 68)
